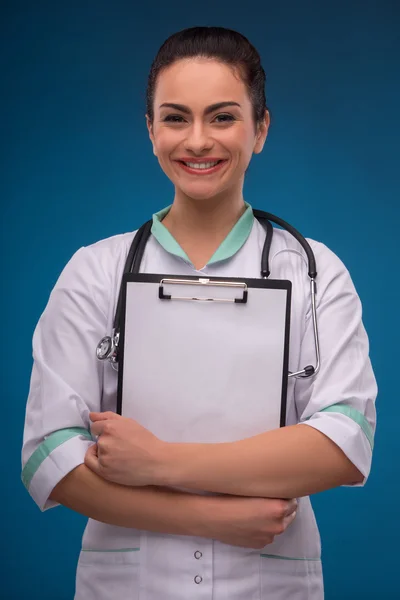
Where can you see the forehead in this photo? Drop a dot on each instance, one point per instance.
(200, 82)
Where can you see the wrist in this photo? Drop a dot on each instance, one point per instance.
(207, 510)
(189, 513)
(199, 515)
(166, 467)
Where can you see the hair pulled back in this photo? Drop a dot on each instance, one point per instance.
(225, 45)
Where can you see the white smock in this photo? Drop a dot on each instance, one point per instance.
(68, 382)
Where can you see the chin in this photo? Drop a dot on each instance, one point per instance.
(201, 193)
(202, 198)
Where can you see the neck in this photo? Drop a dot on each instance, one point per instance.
(200, 226)
(208, 217)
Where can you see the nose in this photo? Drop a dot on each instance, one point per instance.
(198, 139)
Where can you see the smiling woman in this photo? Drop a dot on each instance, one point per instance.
(194, 132)
(248, 529)
(204, 148)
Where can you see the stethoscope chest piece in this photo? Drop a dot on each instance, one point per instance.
(107, 349)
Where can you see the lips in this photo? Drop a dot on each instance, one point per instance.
(203, 159)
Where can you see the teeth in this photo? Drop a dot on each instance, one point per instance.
(205, 165)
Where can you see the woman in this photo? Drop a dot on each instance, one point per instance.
(206, 116)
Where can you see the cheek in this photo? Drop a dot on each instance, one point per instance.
(166, 141)
(240, 142)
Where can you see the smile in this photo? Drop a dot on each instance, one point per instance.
(201, 168)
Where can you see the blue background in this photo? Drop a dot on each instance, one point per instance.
(77, 166)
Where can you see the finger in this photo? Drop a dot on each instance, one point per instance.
(91, 459)
(291, 507)
(289, 519)
(103, 416)
(92, 450)
(97, 428)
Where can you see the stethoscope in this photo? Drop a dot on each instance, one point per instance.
(107, 348)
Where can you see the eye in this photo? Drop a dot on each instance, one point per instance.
(224, 118)
(173, 119)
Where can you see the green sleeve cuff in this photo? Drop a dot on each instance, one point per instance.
(356, 416)
(46, 447)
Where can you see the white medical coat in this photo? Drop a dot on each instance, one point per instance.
(68, 382)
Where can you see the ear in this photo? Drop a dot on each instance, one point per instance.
(262, 132)
(151, 135)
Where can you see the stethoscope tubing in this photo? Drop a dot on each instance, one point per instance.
(135, 256)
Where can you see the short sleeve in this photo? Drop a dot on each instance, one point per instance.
(66, 380)
(340, 400)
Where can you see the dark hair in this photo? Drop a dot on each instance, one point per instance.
(225, 45)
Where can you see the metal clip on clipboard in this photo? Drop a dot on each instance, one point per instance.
(203, 282)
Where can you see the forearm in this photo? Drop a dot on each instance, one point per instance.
(290, 462)
(149, 508)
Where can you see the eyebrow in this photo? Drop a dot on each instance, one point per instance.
(207, 111)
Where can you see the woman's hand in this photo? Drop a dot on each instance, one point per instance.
(125, 452)
(249, 522)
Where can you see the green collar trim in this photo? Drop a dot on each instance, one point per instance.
(235, 239)
(163, 236)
